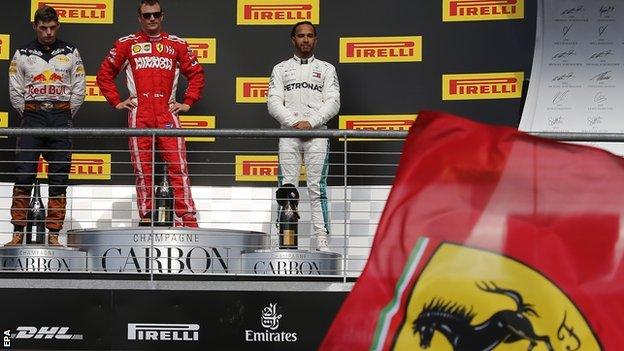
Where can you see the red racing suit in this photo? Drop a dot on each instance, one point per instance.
(152, 66)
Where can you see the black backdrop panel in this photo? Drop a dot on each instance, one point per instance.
(167, 320)
(252, 50)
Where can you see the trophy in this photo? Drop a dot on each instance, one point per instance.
(288, 198)
(35, 218)
(164, 202)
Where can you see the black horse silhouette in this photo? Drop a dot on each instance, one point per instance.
(453, 321)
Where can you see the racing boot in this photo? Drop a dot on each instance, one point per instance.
(319, 242)
(18, 237)
(53, 238)
(188, 221)
(56, 213)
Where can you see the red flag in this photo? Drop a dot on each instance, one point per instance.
(492, 239)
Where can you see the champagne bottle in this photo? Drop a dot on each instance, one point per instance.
(164, 202)
(35, 218)
(288, 198)
(288, 238)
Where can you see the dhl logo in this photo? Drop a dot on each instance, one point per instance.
(271, 12)
(252, 89)
(5, 46)
(4, 122)
(381, 49)
(259, 168)
(204, 48)
(83, 166)
(47, 77)
(93, 90)
(397, 123)
(198, 122)
(481, 10)
(480, 86)
(78, 11)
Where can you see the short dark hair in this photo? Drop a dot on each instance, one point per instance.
(150, 3)
(46, 14)
(294, 28)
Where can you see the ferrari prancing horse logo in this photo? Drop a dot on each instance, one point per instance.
(468, 299)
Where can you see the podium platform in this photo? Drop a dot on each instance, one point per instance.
(165, 250)
(167, 289)
(41, 258)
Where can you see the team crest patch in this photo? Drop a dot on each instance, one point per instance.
(159, 47)
(476, 300)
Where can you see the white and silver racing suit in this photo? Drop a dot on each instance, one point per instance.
(305, 90)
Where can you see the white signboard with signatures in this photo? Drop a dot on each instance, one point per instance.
(577, 79)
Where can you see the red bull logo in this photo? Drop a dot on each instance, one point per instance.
(47, 77)
(47, 83)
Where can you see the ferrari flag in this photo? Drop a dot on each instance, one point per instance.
(492, 239)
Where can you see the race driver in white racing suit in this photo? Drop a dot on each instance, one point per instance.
(304, 93)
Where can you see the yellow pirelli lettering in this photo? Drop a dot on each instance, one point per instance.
(481, 10)
(276, 12)
(252, 89)
(198, 122)
(480, 86)
(380, 49)
(78, 11)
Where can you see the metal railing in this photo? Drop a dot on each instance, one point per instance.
(359, 184)
(356, 201)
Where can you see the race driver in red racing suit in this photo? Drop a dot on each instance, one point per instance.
(152, 60)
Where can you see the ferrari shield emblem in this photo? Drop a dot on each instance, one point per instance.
(476, 300)
(159, 47)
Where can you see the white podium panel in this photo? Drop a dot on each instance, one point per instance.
(166, 250)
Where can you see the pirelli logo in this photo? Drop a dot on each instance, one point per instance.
(4, 122)
(259, 168)
(204, 48)
(83, 167)
(381, 49)
(481, 10)
(198, 122)
(252, 89)
(93, 90)
(5, 46)
(78, 11)
(397, 123)
(482, 86)
(271, 12)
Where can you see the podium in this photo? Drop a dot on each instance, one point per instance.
(164, 250)
(40, 258)
(292, 262)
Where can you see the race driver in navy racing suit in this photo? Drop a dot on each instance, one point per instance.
(46, 87)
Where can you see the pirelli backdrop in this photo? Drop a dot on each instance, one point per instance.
(393, 57)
